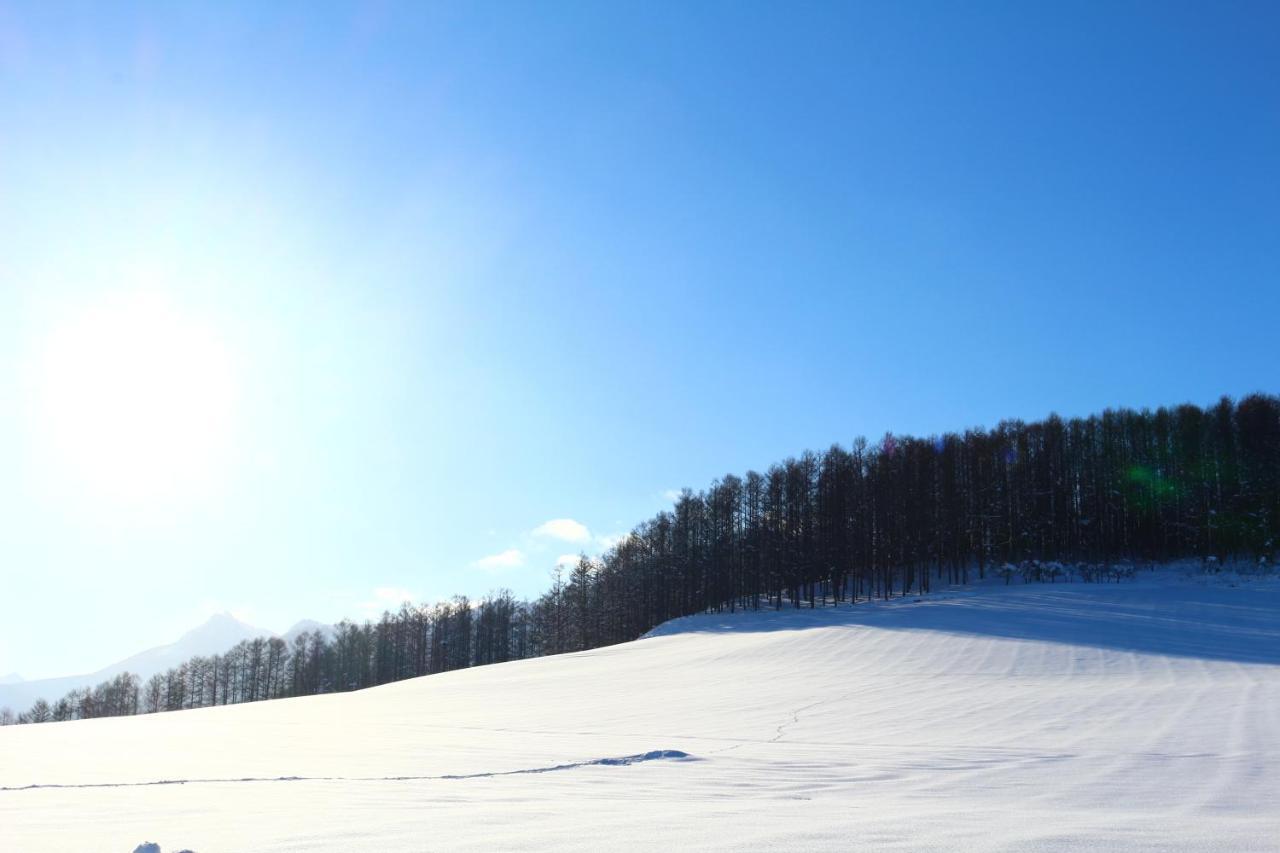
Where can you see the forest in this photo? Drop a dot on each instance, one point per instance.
(1052, 500)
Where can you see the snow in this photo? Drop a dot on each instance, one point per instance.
(1143, 715)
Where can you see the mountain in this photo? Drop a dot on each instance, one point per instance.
(216, 635)
(219, 633)
(1043, 717)
(11, 678)
(309, 626)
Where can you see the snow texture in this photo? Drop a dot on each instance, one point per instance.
(1142, 715)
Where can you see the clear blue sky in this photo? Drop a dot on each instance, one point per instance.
(466, 268)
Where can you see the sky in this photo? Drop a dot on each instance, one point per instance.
(306, 309)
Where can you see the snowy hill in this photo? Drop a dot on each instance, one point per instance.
(1142, 715)
(219, 633)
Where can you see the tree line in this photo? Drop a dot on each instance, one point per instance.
(869, 520)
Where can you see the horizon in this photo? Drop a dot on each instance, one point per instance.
(392, 603)
(304, 313)
(211, 620)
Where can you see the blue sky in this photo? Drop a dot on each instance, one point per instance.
(465, 269)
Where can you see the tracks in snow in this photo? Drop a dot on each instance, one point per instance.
(620, 761)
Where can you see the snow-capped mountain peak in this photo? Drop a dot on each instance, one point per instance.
(214, 636)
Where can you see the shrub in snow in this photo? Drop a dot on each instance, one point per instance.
(1117, 572)
(147, 847)
(1087, 571)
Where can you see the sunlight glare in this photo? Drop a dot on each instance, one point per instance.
(136, 401)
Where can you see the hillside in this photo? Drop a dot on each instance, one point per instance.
(1142, 715)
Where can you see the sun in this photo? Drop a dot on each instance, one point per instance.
(134, 400)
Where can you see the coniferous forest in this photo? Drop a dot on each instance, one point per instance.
(1054, 500)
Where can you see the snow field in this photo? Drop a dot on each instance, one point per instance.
(1142, 716)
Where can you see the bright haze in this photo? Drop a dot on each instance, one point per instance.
(307, 310)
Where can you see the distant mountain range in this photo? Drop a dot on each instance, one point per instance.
(215, 636)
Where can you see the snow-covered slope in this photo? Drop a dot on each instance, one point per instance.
(219, 633)
(1141, 716)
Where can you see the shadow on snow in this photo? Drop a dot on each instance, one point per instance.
(1176, 618)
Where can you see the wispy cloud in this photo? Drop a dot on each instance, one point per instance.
(564, 529)
(512, 558)
(672, 495)
(567, 561)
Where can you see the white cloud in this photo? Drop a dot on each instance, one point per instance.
(672, 495)
(565, 529)
(386, 598)
(610, 540)
(567, 561)
(512, 558)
